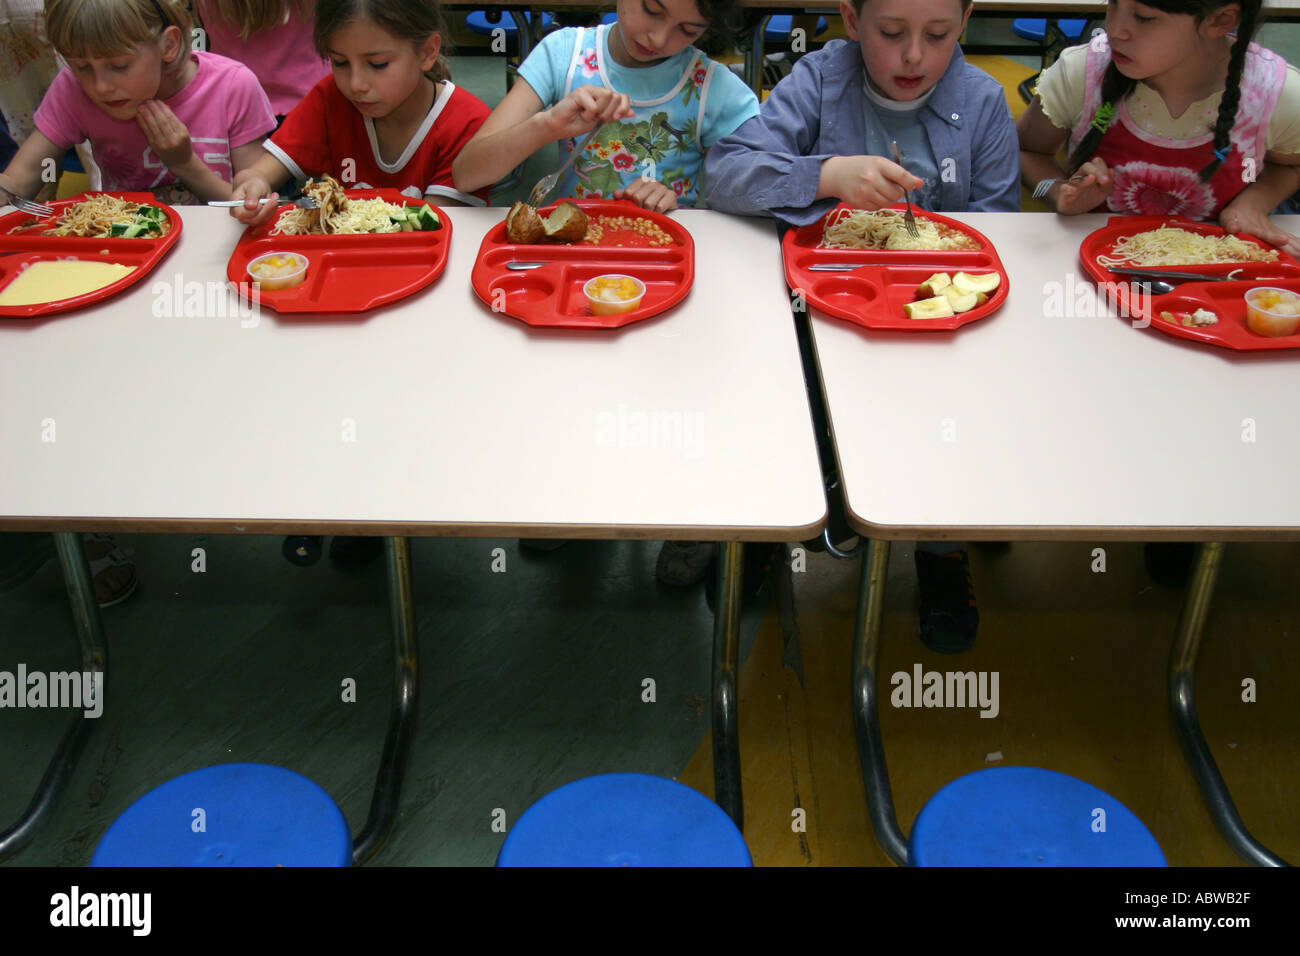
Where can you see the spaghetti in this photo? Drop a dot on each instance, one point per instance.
(1171, 246)
(101, 216)
(336, 214)
(885, 229)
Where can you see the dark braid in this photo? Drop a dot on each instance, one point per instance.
(1116, 86)
(1232, 90)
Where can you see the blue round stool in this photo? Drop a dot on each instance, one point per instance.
(624, 819)
(1023, 816)
(254, 815)
(478, 22)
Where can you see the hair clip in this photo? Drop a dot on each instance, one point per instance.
(1222, 154)
(1101, 119)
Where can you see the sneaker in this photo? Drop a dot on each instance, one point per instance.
(349, 552)
(684, 564)
(948, 617)
(1169, 562)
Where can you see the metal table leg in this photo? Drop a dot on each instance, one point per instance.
(726, 659)
(401, 719)
(94, 659)
(1182, 701)
(866, 721)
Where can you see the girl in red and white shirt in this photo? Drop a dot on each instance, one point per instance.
(388, 117)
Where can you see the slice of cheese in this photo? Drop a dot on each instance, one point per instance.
(44, 282)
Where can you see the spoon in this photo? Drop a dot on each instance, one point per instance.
(1153, 286)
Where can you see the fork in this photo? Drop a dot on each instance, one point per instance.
(1045, 186)
(909, 220)
(39, 210)
(547, 183)
(302, 202)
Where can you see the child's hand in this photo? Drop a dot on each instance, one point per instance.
(1086, 194)
(1240, 215)
(865, 182)
(167, 135)
(253, 213)
(586, 108)
(649, 194)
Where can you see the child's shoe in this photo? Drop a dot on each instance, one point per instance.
(948, 615)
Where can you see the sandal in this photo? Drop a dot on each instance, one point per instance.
(104, 556)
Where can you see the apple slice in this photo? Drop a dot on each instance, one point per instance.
(963, 301)
(936, 307)
(935, 285)
(981, 283)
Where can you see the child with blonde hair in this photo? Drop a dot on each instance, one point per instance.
(160, 117)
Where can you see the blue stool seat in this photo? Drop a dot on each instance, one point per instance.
(1023, 816)
(624, 819)
(1028, 28)
(478, 22)
(253, 815)
(778, 28)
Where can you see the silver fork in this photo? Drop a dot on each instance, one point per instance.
(302, 202)
(40, 210)
(908, 220)
(1045, 186)
(547, 183)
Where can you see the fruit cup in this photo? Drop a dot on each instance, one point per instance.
(614, 294)
(1272, 312)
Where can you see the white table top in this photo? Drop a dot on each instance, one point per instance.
(1079, 427)
(466, 422)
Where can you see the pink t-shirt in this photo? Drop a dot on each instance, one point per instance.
(283, 58)
(222, 107)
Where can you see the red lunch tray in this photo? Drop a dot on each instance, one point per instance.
(350, 273)
(552, 296)
(1225, 299)
(873, 296)
(19, 250)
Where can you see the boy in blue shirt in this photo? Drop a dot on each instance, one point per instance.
(824, 133)
(822, 137)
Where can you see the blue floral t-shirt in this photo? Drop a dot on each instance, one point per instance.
(683, 106)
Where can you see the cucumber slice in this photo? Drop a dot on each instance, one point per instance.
(427, 219)
(119, 228)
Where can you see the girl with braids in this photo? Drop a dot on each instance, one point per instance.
(1172, 111)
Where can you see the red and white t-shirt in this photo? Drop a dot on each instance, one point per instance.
(325, 131)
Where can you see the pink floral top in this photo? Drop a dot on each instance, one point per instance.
(1157, 175)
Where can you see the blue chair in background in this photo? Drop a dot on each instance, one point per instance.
(624, 819)
(485, 21)
(1024, 816)
(252, 815)
(1053, 36)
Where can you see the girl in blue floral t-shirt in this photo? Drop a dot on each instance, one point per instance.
(656, 102)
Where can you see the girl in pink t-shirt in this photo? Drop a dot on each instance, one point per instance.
(270, 37)
(159, 117)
